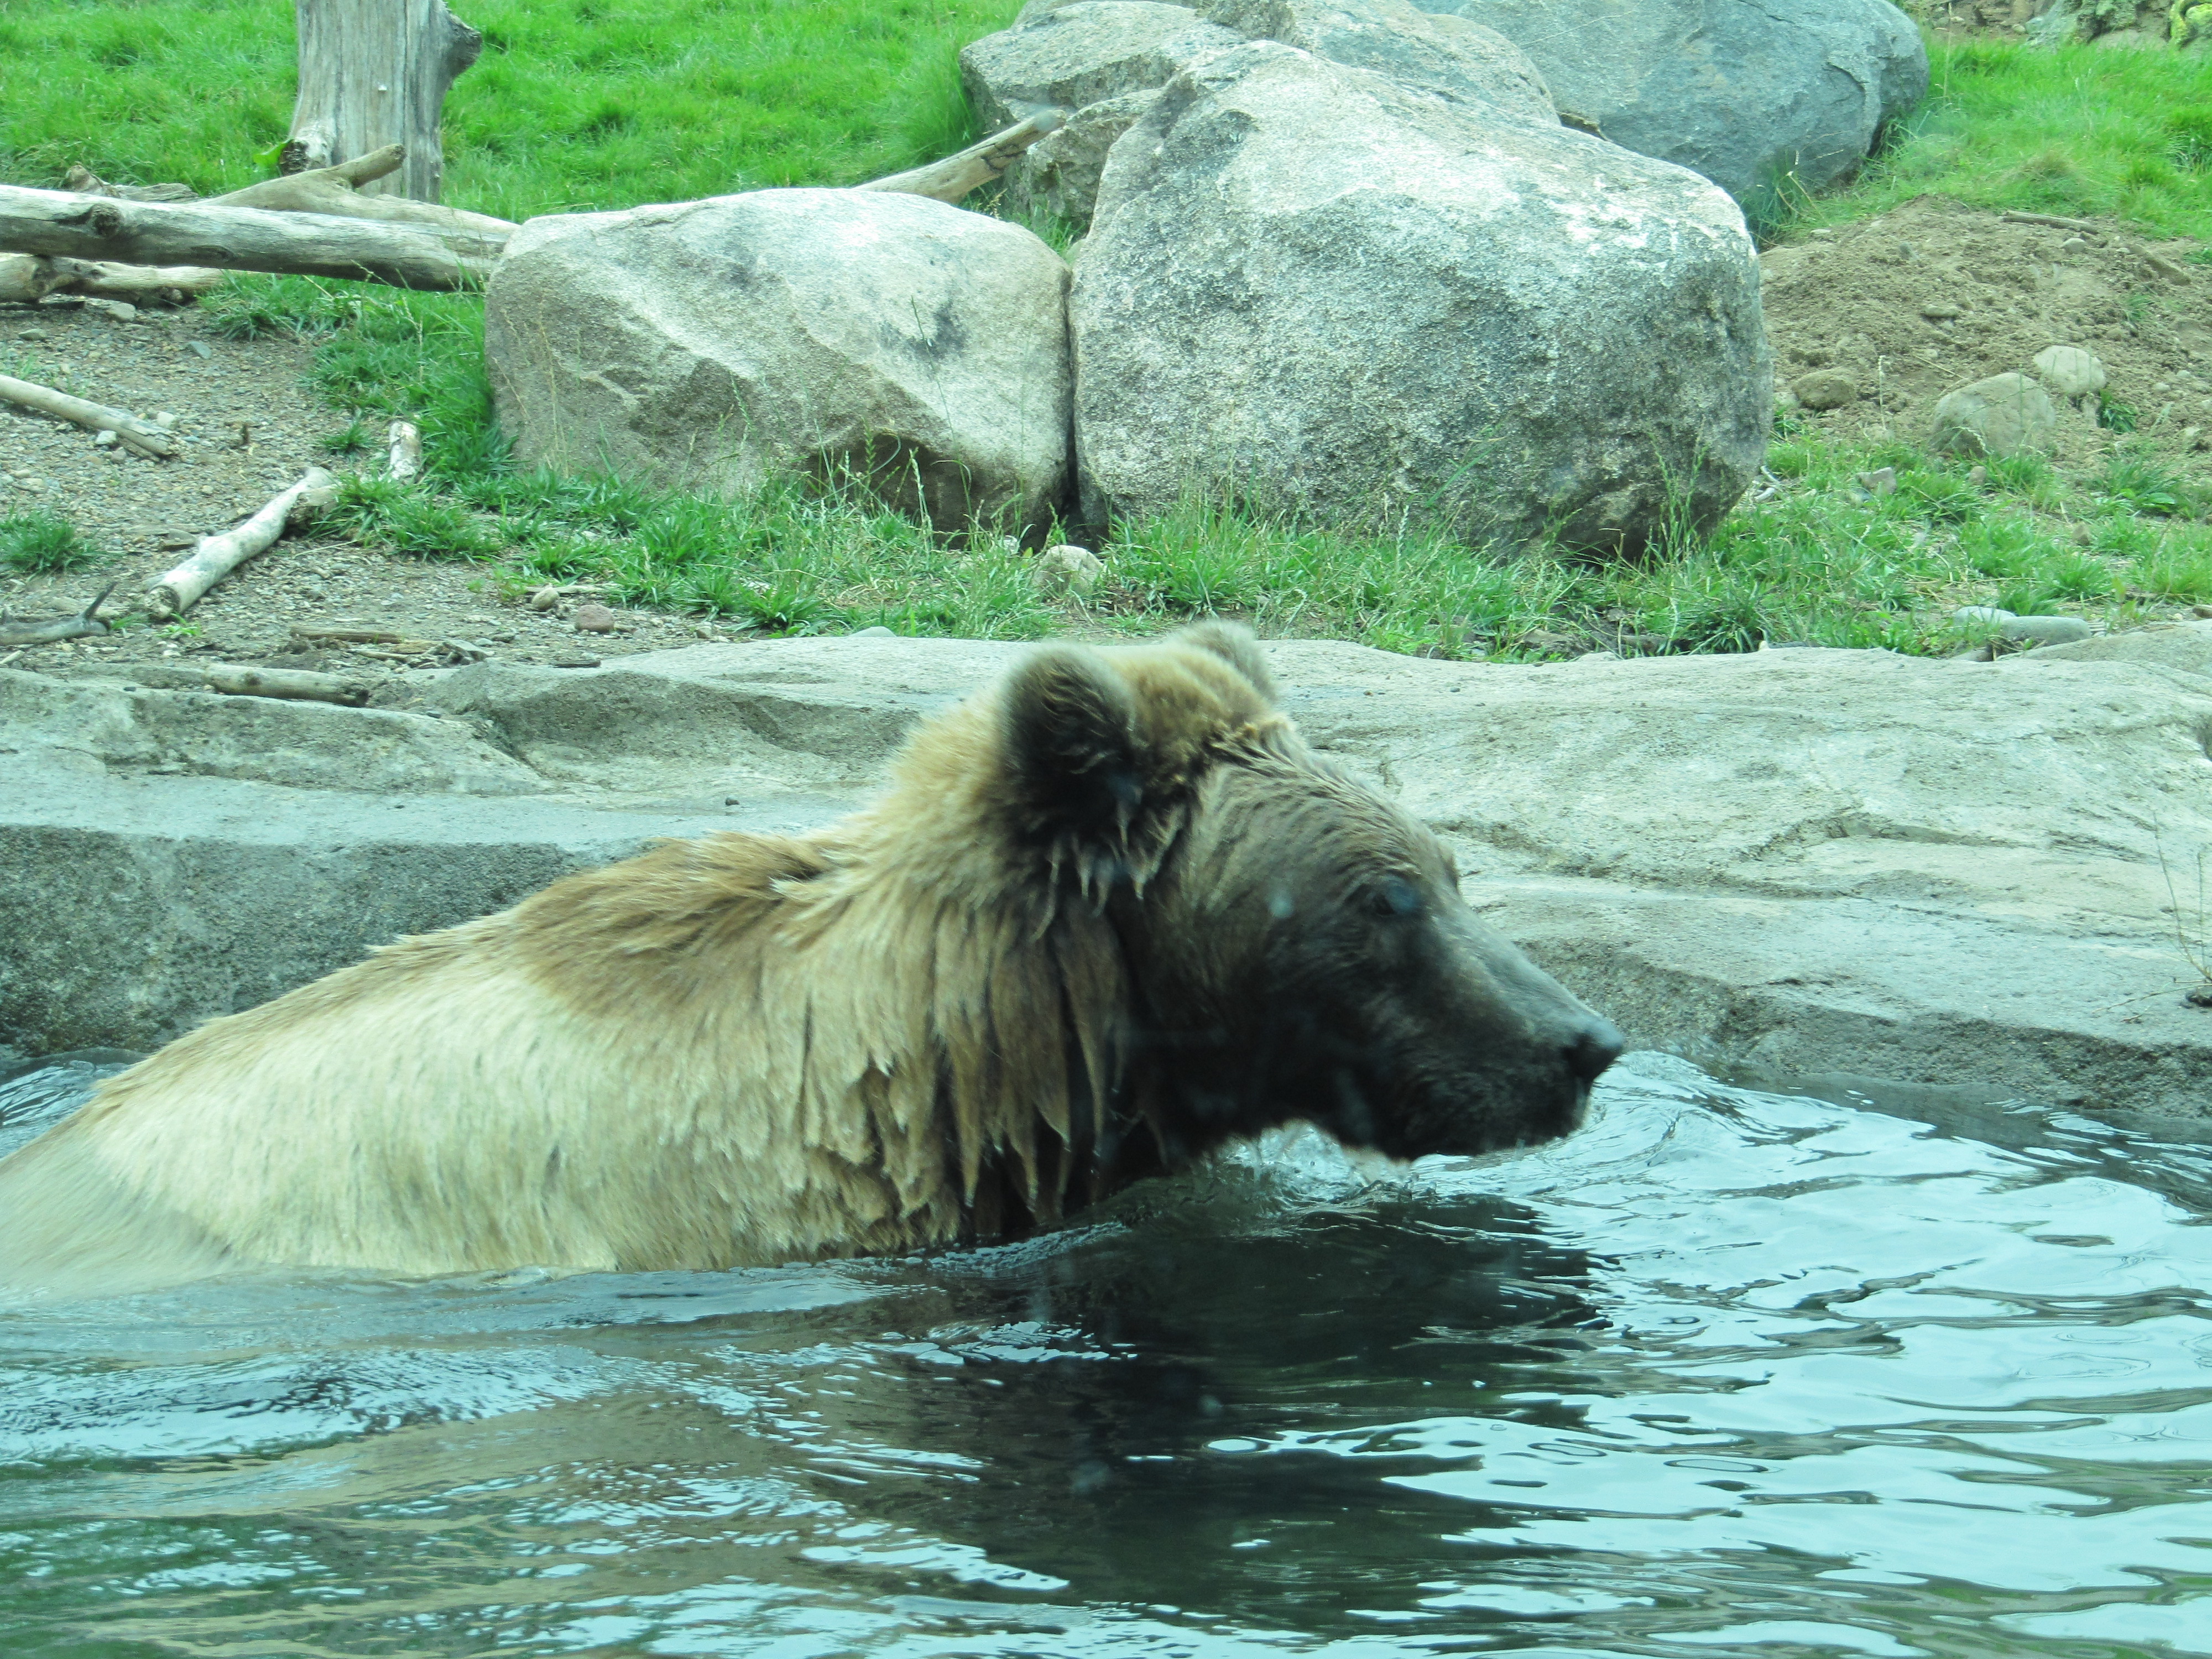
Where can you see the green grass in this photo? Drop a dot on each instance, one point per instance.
(575, 104)
(40, 542)
(604, 103)
(2067, 129)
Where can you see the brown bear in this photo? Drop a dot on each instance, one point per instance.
(1110, 914)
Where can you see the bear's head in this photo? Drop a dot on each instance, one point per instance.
(1295, 945)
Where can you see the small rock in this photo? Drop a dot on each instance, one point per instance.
(105, 438)
(165, 420)
(575, 662)
(1977, 476)
(121, 310)
(168, 541)
(2074, 245)
(201, 346)
(544, 598)
(2046, 630)
(593, 619)
(1939, 311)
(2200, 610)
(2070, 371)
(1825, 388)
(2003, 415)
(1988, 614)
(1824, 235)
(876, 633)
(1066, 570)
(1882, 480)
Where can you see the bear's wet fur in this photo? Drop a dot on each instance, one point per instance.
(1109, 914)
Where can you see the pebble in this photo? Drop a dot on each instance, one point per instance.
(593, 619)
(1826, 388)
(2070, 371)
(1881, 482)
(1068, 570)
(1940, 311)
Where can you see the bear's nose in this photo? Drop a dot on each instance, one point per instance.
(1595, 1047)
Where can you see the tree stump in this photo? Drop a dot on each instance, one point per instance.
(372, 73)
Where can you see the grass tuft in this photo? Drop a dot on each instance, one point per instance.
(41, 543)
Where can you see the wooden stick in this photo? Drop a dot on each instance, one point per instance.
(53, 221)
(217, 556)
(334, 190)
(975, 167)
(404, 461)
(298, 684)
(104, 279)
(56, 628)
(144, 436)
(2013, 216)
(347, 636)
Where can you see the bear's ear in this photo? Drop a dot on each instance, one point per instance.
(1235, 647)
(1073, 746)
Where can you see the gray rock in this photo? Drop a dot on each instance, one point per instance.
(2045, 631)
(110, 724)
(1988, 616)
(1068, 570)
(2070, 371)
(1787, 863)
(1334, 296)
(1449, 57)
(2004, 414)
(1073, 56)
(1059, 174)
(712, 344)
(1825, 388)
(1749, 93)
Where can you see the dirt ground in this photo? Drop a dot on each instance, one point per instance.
(1934, 295)
(151, 513)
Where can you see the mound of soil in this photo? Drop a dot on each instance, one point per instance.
(1936, 295)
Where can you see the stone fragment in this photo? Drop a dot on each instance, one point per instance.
(1882, 480)
(1825, 388)
(1059, 174)
(1334, 296)
(2003, 415)
(1755, 95)
(2045, 631)
(1940, 311)
(900, 343)
(1074, 56)
(2070, 371)
(1987, 616)
(593, 619)
(1066, 570)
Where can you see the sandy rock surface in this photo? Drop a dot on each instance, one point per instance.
(1800, 863)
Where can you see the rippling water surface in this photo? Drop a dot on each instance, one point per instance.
(1729, 1373)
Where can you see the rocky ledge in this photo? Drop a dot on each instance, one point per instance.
(1838, 868)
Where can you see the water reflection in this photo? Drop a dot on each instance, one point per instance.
(1730, 1373)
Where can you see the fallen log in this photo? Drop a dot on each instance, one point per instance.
(295, 684)
(956, 176)
(335, 190)
(217, 556)
(144, 436)
(27, 278)
(57, 223)
(54, 629)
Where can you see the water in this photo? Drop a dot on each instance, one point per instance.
(1730, 1373)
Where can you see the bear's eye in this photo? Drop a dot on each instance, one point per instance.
(1394, 895)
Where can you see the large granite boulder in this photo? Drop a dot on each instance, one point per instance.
(855, 333)
(1070, 56)
(1450, 56)
(1755, 95)
(1324, 294)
